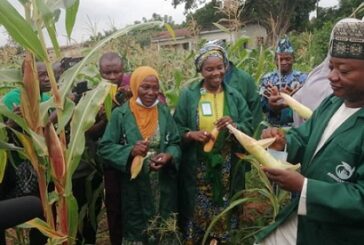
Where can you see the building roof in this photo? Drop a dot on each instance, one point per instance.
(180, 33)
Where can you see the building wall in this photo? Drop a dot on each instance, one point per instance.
(256, 34)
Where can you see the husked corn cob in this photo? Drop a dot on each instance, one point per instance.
(136, 166)
(210, 144)
(257, 150)
(296, 106)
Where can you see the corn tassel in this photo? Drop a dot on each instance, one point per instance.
(256, 149)
(136, 166)
(296, 106)
(210, 144)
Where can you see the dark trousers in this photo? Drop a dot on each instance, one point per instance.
(112, 180)
(87, 235)
(18, 210)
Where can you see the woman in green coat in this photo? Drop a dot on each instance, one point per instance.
(144, 128)
(206, 181)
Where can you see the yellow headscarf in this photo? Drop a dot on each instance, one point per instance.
(146, 118)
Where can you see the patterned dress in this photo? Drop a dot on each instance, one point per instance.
(206, 205)
(292, 80)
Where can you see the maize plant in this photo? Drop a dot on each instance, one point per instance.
(44, 143)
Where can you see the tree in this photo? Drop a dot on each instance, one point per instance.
(277, 16)
(207, 15)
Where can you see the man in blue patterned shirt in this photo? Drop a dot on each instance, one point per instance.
(284, 79)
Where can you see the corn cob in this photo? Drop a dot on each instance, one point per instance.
(210, 144)
(136, 166)
(300, 109)
(257, 150)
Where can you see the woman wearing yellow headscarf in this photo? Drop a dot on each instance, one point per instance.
(143, 128)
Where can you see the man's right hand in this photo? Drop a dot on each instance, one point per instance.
(277, 133)
(275, 100)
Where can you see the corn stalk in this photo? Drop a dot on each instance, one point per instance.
(44, 145)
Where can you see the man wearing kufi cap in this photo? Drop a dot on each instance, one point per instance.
(284, 79)
(330, 148)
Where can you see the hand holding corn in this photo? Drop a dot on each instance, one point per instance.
(280, 141)
(257, 149)
(285, 178)
(139, 151)
(201, 136)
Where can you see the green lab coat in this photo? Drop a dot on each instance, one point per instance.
(335, 198)
(186, 118)
(245, 84)
(115, 147)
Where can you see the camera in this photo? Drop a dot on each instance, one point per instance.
(68, 62)
(79, 90)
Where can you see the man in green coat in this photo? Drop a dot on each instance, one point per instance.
(330, 147)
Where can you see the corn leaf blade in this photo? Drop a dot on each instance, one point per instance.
(20, 30)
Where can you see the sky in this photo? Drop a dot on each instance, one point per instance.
(101, 15)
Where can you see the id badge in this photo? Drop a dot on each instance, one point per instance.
(206, 108)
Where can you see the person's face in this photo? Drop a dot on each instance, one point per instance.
(44, 83)
(284, 62)
(213, 70)
(112, 70)
(148, 90)
(347, 80)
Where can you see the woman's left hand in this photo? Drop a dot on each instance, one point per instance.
(223, 122)
(159, 160)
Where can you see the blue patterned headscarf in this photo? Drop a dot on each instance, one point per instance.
(284, 46)
(210, 49)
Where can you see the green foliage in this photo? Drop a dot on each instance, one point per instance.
(19, 29)
(320, 42)
(207, 15)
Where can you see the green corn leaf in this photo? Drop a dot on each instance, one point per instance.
(83, 118)
(20, 30)
(45, 229)
(71, 74)
(3, 161)
(10, 76)
(108, 106)
(71, 13)
(220, 215)
(65, 116)
(38, 140)
(48, 19)
(72, 217)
